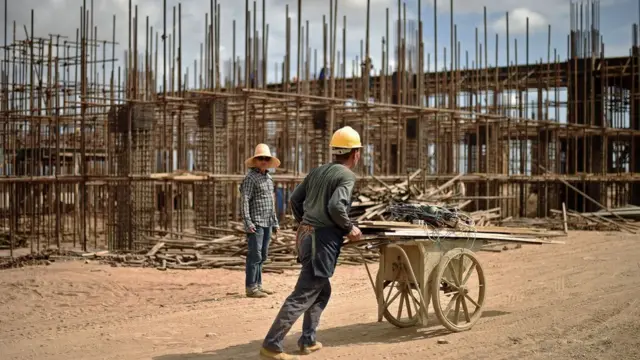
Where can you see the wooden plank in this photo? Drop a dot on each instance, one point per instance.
(483, 229)
(465, 235)
(518, 231)
(155, 249)
(586, 196)
(442, 187)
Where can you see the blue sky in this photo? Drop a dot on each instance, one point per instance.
(616, 19)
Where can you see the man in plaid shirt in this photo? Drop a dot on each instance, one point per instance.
(258, 215)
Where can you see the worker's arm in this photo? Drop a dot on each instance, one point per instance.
(246, 193)
(339, 203)
(297, 200)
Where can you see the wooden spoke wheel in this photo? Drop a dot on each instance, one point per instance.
(401, 298)
(458, 290)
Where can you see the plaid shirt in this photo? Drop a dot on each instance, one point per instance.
(257, 200)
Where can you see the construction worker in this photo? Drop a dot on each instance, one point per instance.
(258, 216)
(320, 205)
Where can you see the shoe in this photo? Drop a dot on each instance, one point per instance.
(264, 353)
(304, 349)
(268, 292)
(256, 293)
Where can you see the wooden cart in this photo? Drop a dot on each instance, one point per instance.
(415, 271)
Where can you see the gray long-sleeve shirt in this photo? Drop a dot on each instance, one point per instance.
(323, 198)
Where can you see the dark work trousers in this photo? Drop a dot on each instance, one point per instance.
(257, 252)
(309, 297)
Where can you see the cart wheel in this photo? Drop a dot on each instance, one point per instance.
(455, 288)
(401, 299)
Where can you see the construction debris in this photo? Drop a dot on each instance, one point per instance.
(5, 239)
(392, 229)
(411, 214)
(410, 210)
(229, 251)
(186, 251)
(96, 157)
(620, 219)
(379, 202)
(24, 260)
(226, 252)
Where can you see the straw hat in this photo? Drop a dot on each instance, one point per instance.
(262, 150)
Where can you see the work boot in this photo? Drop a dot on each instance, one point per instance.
(264, 353)
(268, 292)
(256, 293)
(308, 349)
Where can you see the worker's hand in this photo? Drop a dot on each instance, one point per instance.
(355, 234)
(252, 229)
(275, 229)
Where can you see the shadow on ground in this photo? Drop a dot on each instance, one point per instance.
(344, 335)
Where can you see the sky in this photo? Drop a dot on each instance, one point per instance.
(63, 17)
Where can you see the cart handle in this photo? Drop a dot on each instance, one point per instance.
(366, 266)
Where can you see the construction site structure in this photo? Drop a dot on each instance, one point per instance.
(101, 156)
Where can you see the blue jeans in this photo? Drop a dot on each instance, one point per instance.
(258, 243)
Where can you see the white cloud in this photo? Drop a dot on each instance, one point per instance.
(546, 7)
(518, 22)
(63, 17)
(617, 50)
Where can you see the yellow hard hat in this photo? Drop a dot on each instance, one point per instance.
(345, 139)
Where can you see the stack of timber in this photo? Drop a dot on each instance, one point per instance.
(630, 212)
(391, 211)
(184, 251)
(372, 202)
(488, 236)
(620, 219)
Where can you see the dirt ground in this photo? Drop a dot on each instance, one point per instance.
(573, 301)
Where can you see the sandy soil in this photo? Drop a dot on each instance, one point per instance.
(573, 301)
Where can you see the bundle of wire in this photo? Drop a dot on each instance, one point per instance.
(438, 220)
(436, 216)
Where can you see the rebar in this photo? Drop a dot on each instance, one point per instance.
(90, 151)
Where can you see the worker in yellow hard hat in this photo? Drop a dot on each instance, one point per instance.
(320, 205)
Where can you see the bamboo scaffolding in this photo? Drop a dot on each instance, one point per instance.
(100, 152)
